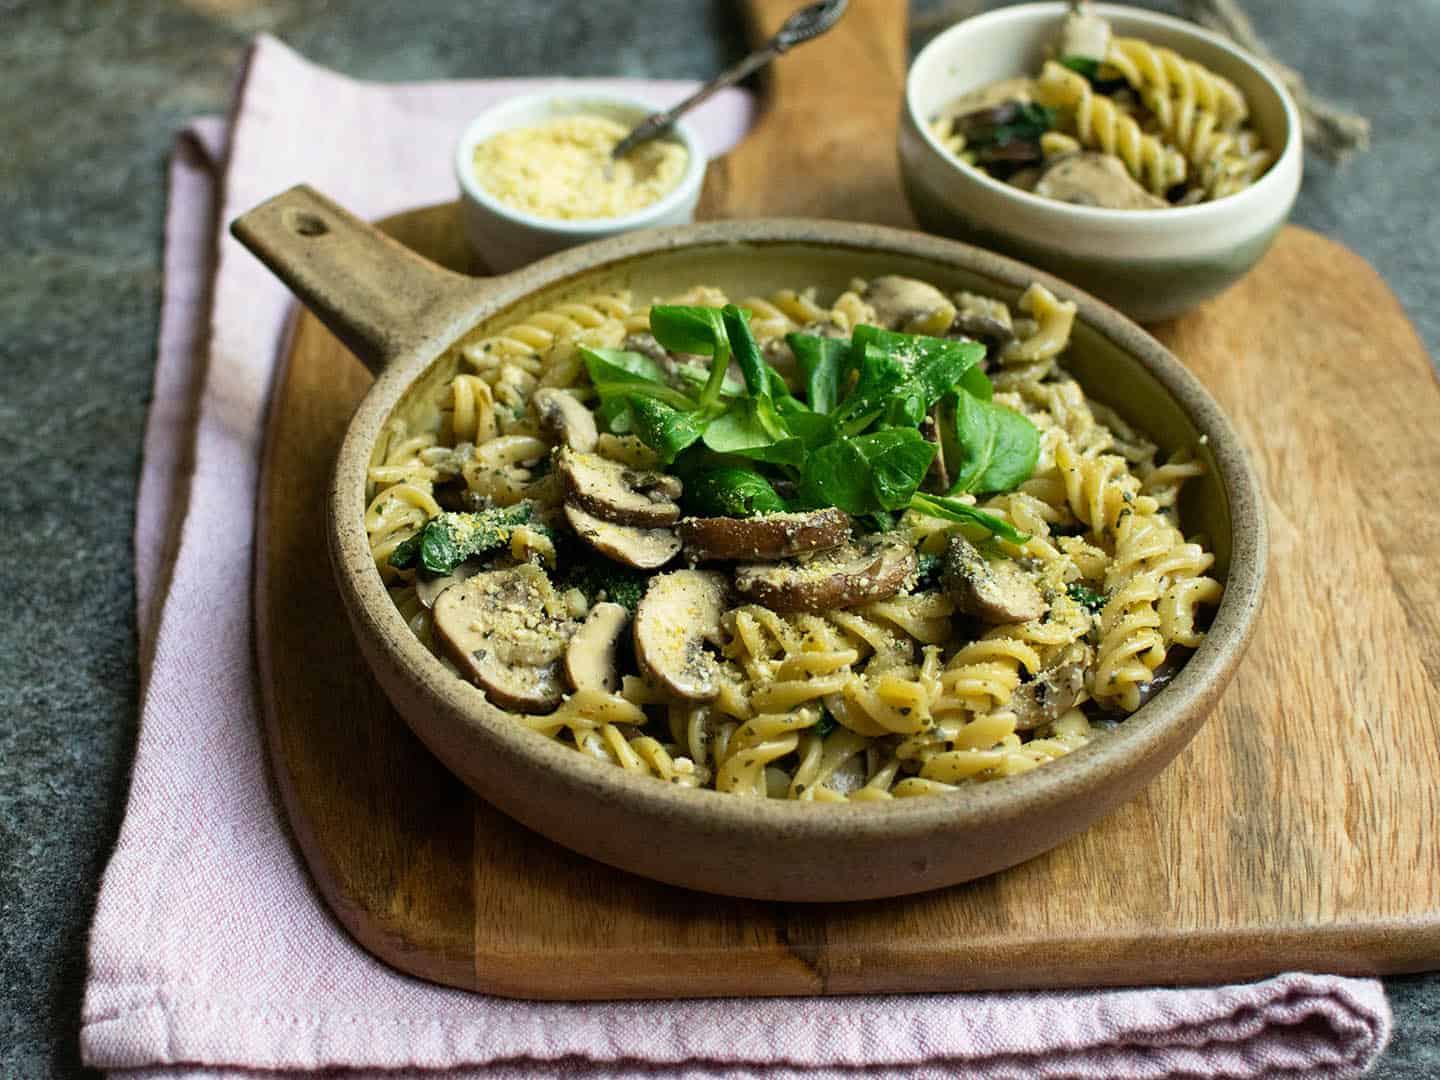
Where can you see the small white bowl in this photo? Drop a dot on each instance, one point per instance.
(1151, 264)
(504, 238)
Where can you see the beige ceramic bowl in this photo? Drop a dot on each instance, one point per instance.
(1151, 264)
(400, 314)
(504, 237)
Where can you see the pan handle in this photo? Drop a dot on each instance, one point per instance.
(377, 296)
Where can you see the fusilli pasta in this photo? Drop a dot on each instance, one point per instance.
(890, 698)
(1114, 122)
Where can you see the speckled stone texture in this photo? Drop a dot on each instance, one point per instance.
(90, 97)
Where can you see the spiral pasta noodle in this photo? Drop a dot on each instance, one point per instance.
(1196, 110)
(1053, 321)
(1178, 91)
(1101, 125)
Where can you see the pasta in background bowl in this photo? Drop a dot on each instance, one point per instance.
(776, 848)
(1151, 263)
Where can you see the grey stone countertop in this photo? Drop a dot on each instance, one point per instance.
(90, 99)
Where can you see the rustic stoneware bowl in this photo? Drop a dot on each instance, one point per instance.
(401, 315)
(1151, 264)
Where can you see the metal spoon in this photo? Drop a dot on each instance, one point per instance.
(810, 21)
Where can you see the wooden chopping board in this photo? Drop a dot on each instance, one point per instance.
(1296, 831)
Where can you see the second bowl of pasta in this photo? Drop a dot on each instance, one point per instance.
(1143, 158)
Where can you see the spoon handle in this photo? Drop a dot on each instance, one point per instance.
(788, 36)
(656, 123)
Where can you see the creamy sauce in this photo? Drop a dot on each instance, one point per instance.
(562, 169)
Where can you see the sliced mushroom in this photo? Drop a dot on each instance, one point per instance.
(903, 303)
(644, 549)
(781, 357)
(617, 493)
(565, 419)
(765, 536)
(508, 631)
(1053, 691)
(448, 461)
(1001, 137)
(1026, 179)
(459, 498)
(428, 589)
(873, 568)
(646, 345)
(591, 660)
(678, 615)
(1020, 88)
(1168, 669)
(678, 368)
(628, 450)
(826, 328)
(1090, 179)
(995, 592)
(983, 319)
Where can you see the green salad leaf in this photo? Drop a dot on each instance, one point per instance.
(620, 377)
(665, 430)
(954, 510)
(730, 491)
(851, 439)
(879, 374)
(697, 330)
(988, 447)
(933, 365)
(822, 362)
(867, 473)
(615, 372)
(746, 351)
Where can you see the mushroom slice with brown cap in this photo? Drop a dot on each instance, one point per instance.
(982, 318)
(1053, 691)
(644, 549)
(507, 630)
(995, 592)
(903, 303)
(591, 659)
(1090, 179)
(645, 344)
(565, 419)
(678, 614)
(617, 492)
(764, 536)
(872, 568)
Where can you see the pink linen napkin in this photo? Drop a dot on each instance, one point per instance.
(212, 956)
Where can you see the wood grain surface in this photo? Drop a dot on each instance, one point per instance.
(1296, 831)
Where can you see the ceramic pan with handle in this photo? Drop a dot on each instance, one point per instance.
(400, 314)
